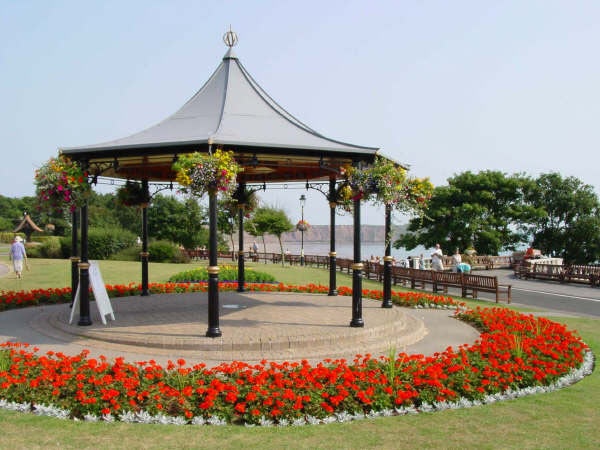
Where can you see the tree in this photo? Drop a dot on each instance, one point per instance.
(485, 210)
(12, 209)
(180, 222)
(269, 220)
(570, 225)
(227, 213)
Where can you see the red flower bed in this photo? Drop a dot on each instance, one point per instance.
(514, 351)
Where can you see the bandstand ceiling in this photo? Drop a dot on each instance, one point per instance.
(231, 111)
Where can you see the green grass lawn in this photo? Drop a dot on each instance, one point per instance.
(564, 419)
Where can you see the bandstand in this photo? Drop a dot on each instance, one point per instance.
(231, 112)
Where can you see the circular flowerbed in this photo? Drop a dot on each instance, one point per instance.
(516, 354)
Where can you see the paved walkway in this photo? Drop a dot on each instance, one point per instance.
(255, 326)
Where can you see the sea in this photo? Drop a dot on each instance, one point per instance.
(346, 250)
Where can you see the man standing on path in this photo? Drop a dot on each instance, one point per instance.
(436, 258)
(18, 254)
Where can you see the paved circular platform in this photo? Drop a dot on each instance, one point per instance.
(255, 326)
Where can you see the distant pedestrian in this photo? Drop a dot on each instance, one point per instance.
(18, 255)
(456, 260)
(436, 258)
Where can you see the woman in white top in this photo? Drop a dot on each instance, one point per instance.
(456, 260)
(436, 258)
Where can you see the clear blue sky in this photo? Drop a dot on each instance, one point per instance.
(444, 86)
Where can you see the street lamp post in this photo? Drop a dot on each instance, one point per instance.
(302, 202)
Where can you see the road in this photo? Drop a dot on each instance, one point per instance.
(571, 298)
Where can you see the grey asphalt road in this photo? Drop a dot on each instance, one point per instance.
(571, 298)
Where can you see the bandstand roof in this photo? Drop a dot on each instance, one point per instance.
(233, 112)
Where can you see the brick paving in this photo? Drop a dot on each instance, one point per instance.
(255, 326)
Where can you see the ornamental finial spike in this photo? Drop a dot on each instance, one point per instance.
(230, 38)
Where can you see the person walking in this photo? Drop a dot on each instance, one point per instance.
(436, 258)
(18, 255)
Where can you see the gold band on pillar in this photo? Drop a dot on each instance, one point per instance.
(144, 254)
(358, 266)
(83, 265)
(388, 258)
(332, 205)
(75, 258)
(332, 253)
(241, 253)
(213, 270)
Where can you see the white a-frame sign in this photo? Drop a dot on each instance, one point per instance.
(100, 294)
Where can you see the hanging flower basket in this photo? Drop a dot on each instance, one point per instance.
(133, 194)
(60, 186)
(302, 225)
(387, 183)
(199, 173)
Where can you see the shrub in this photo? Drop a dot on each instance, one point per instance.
(104, 242)
(166, 251)
(51, 248)
(226, 273)
(128, 254)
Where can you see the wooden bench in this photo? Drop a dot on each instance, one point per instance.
(344, 264)
(582, 274)
(472, 284)
(402, 275)
(420, 278)
(443, 280)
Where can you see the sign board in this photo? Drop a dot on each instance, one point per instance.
(100, 294)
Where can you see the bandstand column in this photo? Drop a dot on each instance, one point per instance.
(74, 255)
(84, 272)
(357, 268)
(144, 253)
(241, 262)
(387, 260)
(213, 269)
(332, 254)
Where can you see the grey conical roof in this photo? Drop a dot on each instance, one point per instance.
(232, 110)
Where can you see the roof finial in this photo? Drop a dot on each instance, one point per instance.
(230, 38)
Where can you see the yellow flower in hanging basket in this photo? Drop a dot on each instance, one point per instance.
(198, 173)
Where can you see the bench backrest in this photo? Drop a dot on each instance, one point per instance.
(421, 275)
(447, 277)
(482, 281)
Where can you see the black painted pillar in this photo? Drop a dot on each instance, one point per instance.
(84, 272)
(74, 255)
(387, 260)
(357, 268)
(145, 256)
(332, 254)
(241, 269)
(213, 268)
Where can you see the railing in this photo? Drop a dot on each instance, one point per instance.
(573, 273)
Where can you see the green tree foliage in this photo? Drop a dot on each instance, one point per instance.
(485, 210)
(570, 226)
(227, 218)
(269, 220)
(12, 209)
(180, 222)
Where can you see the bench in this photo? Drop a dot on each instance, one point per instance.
(443, 280)
(401, 275)
(420, 278)
(472, 284)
